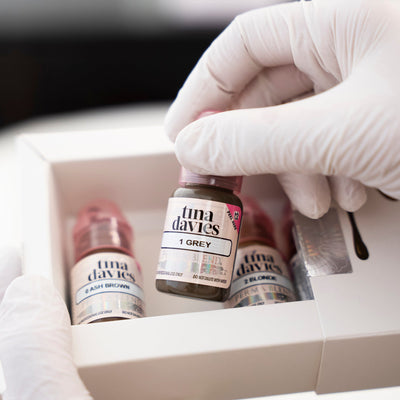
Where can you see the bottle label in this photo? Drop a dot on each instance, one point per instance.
(199, 242)
(260, 277)
(106, 285)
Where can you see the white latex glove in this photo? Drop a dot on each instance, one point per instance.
(35, 337)
(346, 53)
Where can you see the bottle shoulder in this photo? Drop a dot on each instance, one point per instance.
(208, 193)
(103, 250)
(251, 242)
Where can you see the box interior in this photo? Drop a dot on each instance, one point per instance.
(63, 172)
(141, 187)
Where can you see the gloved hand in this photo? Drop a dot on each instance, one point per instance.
(343, 53)
(35, 337)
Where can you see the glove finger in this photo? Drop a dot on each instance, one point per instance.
(228, 66)
(273, 86)
(10, 267)
(309, 194)
(36, 343)
(267, 37)
(302, 137)
(349, 194)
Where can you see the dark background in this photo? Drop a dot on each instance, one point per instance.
(66, 55)
(45, 75)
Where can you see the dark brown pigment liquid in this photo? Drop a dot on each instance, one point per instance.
(359, 246)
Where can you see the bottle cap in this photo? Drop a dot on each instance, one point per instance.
(256, 225)
(227, 182)
(101, 225)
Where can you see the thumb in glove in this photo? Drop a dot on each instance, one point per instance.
(36, 341)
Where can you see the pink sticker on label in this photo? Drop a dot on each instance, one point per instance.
(236, 214)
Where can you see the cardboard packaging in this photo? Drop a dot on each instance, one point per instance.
(347, 338)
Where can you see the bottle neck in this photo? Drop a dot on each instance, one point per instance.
(250, 240)
(102, 236)
(105, 249)
(190, 185)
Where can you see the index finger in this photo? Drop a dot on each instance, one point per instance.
(254, 40)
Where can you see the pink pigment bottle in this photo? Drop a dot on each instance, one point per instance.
(106, 281)
(260, 275)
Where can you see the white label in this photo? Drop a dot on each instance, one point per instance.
(106, 285)
(199, 242)
(187, 241)
(260, 277)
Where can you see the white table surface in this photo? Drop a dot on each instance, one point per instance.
(109, 118)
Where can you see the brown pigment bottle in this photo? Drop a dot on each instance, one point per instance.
(200, 237)
(260, 276)
(106, 281)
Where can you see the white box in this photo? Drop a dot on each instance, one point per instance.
(348, 338)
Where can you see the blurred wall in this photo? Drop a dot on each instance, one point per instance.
(65, 55)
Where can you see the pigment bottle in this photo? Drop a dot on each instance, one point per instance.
(260, 275)
(200, 237)
(106, 281)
